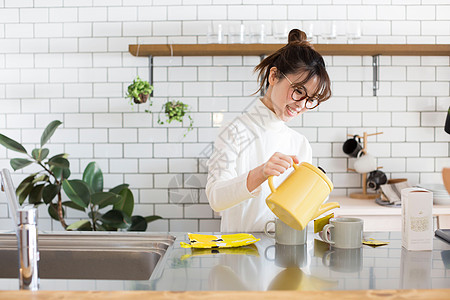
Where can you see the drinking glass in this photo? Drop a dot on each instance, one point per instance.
(215, 34)
(329, 30)
(237, 34)
(353, 31)
(280, 31)
(308, 28)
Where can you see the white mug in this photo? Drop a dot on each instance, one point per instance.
(365, 163)
(286, 235)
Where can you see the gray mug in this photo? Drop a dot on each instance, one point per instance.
(286, 235)
(288, 256)
(346, 233)
(344, 260)
(375, 179)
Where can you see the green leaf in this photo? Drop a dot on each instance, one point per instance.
(40, 154)
(11, 144)
(19, 163)
(53, 211)
(24, 184)
(103, 199)
(119, 188)
(42, 178)
(24, 188)
(152, 218)
(66, 173)
(58, 172)
(73, 205)
(36, 194)
(63, 155)
(93, 176)
(82, 225)
(49, 193)
(59, 162)
(126, 204)
(138, 223)
(49, 131)
(116, 219)
(77, 191)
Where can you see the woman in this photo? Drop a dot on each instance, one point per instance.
(258, 143)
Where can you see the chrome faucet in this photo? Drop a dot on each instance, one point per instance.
(25, 226)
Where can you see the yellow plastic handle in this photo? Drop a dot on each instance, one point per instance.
(270, 179)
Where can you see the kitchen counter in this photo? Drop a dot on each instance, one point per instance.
(313, 270)
(267, 266)
(383, 218)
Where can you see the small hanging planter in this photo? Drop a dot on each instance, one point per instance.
(141, 99)
(175, 111)
(139, 91)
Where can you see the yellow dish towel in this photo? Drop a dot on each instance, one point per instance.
(219, 241)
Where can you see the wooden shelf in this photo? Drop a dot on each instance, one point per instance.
(264, 49)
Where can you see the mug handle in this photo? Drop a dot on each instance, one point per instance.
(326, 259)
(325, 234)
(360, 152)
(265, 229)
(270, 179)
(265, 253)
(359, 138)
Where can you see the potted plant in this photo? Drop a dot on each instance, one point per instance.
(139, 91)
(45, 188)
(175, 111)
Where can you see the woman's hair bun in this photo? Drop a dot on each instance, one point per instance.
(296, 36)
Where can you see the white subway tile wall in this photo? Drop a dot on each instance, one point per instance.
(69, 60)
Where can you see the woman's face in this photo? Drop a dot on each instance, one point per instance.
(279, 95)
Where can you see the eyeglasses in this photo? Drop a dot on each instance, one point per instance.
(299, 94)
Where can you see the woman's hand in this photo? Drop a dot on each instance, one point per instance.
(278, 163)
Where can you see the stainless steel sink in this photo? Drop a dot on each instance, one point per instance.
(90, 255)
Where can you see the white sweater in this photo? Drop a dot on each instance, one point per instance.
(242, 145)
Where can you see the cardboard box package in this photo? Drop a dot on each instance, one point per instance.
(417, 219)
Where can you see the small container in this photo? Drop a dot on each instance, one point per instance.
(417, 219)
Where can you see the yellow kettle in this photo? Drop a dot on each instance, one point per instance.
(298, 199)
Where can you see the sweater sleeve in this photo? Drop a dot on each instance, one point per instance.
(226, 188)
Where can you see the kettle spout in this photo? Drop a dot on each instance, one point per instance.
(324, 208)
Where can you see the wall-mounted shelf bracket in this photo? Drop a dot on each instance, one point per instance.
(375, 68)
(150, 72)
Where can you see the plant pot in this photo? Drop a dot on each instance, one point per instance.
(142, 98)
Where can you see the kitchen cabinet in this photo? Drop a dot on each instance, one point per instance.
(383, 218)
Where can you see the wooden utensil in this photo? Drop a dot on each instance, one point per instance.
(446, 177)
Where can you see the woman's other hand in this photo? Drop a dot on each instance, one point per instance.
(278, 163)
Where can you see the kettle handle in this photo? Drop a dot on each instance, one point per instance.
(270, 179)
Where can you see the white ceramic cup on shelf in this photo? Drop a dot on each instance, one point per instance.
(365, 163)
